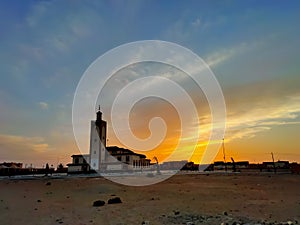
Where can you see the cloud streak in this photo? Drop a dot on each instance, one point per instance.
(224, 54)
(12, 146)
(43, 105)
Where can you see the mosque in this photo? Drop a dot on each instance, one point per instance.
(106, 159)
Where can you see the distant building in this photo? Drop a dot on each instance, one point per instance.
(173, 165)
(235, 166)
(190, 166)
(282, 164)
(11, 165)
(79, 164)
(279, 166)
(268, 165)
(242, 164)
(219, 165)
(295, 168)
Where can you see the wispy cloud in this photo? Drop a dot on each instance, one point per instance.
(224, 54)
(188, 26)
(37, 12)
(197, 22)
(259, 119)
(22, 146)
(43, 105)
(251, 115)
(36, 150)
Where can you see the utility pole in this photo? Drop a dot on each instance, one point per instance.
(273, 162)
(224, 157)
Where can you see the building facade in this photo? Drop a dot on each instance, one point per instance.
(125, 159)
(79, 164)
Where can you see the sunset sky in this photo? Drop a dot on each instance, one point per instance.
(252, 47)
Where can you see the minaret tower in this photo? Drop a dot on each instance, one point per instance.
(99, 118)
(98, 142)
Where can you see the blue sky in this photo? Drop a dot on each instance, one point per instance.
(252, 47)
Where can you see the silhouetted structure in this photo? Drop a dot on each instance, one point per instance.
(190, 166)
(11, 165)
(47, 169)
(295, 168)
(173, 165)
(13, 168)
(79, 164)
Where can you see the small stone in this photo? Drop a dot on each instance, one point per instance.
(176, 212)
(225, 213)
(98, 203)
(115, 200)
(39, 200)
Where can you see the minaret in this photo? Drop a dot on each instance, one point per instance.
(98, 142)
(99, 118)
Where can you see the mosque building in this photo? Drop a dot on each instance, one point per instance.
(102, 158)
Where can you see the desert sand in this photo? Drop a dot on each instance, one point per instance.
(183, 199)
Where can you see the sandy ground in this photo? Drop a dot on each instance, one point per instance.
(182, 199)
